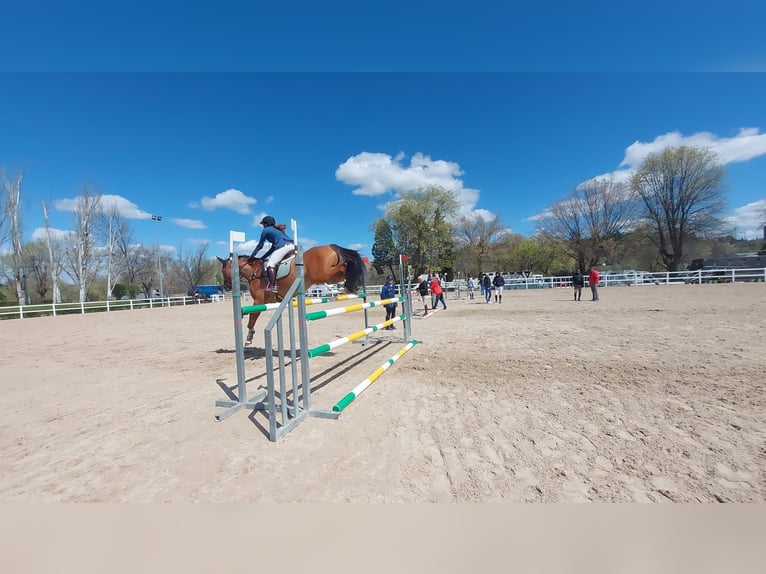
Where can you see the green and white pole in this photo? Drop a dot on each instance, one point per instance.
(345, 401)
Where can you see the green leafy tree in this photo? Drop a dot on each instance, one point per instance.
(420, 222)
(384, 253)
(681, 192)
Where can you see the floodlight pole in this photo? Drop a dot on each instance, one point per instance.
(159, 261)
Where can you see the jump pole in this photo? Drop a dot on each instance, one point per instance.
(248, 309)
(345, 401)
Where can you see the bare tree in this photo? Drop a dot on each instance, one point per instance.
(479, 237)
(38, 265)
(82, 255)
(682, 197)
(114, 232)
(590, 221)
(194, 266)
(55, 257)
(13, 217)
(3, 212)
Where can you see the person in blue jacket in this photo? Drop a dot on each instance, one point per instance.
(388, 291)
(281, 246)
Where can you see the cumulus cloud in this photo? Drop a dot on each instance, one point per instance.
(56, 234)
(230, 199)
(121, 205)
(375, 174)
(748, 220)
(189, 223)
(746, 144)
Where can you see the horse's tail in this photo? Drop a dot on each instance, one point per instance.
(354, 267)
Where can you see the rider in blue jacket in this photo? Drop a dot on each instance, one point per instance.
(281, 246)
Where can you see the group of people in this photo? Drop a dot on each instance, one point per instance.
(437, 291)
(487, 286)
(578, 282)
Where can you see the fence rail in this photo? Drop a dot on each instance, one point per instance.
(55, 309)
(458, 288)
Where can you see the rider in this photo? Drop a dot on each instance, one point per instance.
(281, 246)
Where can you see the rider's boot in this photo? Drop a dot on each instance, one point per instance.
(272, 286)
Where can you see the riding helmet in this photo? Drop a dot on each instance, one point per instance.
(268, 220)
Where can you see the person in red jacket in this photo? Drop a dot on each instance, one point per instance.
(437, 291)
(593, 279)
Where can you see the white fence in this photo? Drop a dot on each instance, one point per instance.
(50, 309)
(456, 288)
(616, 279)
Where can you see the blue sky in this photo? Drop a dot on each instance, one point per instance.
(215, 152)
(213, 115)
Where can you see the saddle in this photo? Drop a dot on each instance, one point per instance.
(282, 270)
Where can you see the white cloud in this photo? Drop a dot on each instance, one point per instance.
(748, 221)
(230, 199)
(375, 174)
(189, 223)
(747, 144)
(39, 234)
(121, 205)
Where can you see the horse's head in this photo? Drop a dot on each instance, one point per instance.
(246, 270)
(226, 272)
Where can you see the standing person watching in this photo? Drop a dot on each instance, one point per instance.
(388, 291)
(486, 284)
(593, 279)
(578, 282)
(422, 290)
(471, 287)
(438, 292)
(498, 283)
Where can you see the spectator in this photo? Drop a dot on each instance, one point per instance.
(438, 292)
(593, 279)
(578, 282)
(486, 284)
(388, 291)
(422, 289)
(498, 283)
(471, 287)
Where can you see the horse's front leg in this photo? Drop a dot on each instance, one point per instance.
(251, 327)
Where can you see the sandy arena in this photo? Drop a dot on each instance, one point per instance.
(653, 394)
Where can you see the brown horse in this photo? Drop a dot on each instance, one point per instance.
(321, 264)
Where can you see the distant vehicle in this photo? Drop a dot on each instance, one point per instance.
(730, 262)
(724, 269)
(323, 290)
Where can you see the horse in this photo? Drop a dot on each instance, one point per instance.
(321, 264)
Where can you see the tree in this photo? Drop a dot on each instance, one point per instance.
(682, 197)
(82, 257)
(591, 220)
(55, 257)
(384, 253)
(36, 261)
(194, 267)
(478, 236)
(420, 222)
(12, 215)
